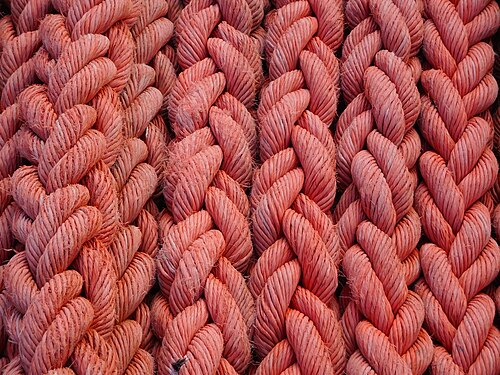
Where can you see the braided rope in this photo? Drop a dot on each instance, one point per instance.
(67, 199)
(377, 151)
(461, 258)
(19, 39)
(295, 277)
(137, 179)
(209, 246)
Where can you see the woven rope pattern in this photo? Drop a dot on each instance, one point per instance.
(168, 187)
(70, 126)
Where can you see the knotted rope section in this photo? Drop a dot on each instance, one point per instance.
(210, 165)
(461, 258)
(68, 204)
(294, 280)
(377, 151)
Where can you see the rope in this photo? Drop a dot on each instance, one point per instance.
(136, 172)
(19, 41)
(210, 165)
(295, 277)
(377, 151)
(461, 258)
(67, 199)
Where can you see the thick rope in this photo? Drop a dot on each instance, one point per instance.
(297, 326)
(377, 151)
(67, 199)
(210, 165)
(139, 167)
(19, 42)
(461, 258)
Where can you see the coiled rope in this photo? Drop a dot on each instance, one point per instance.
(461, 258)
(295, 277)
(210, 165)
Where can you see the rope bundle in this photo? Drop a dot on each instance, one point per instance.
(168, 187)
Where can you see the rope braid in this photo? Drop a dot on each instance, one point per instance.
(20, 40)
(295, 277)
(460, 258)
(153, 26)
(67, 199)
(140, 164)
(377, 151)
(210, 165)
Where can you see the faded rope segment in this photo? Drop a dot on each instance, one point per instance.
(461, 258)
(377, 151)
(208, 248)
(67, 199)
(297, 326)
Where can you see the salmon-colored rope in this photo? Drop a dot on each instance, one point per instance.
(377, 151)
(137, 172)
(67, 198)
(295, 278)
(210, 165)
(460, 258)
(19, 42)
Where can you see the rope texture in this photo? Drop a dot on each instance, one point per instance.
(207, 245)
(297, 326)
(377, 151)
(152, 78)
(19, 41)
(461, 258)
(67, 198)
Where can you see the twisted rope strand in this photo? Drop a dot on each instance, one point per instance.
(295, 278)
(460, 258)
(210, 165)
(19, 41)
